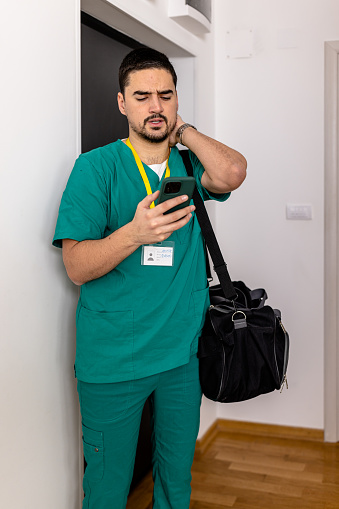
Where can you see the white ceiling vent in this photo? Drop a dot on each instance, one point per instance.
(194, 15)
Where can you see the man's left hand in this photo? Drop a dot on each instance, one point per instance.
(173, 139)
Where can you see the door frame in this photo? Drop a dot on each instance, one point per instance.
(331, 269)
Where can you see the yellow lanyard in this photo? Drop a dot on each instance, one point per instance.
(142, 170)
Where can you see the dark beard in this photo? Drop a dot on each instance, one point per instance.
(152, 137)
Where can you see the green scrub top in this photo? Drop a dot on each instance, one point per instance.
(137, 320)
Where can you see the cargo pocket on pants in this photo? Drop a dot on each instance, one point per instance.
(93, 444)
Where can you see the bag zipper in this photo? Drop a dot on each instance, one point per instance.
(284, 378)
(223, 370)
(223, 358)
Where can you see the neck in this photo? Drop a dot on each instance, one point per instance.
(150, 153)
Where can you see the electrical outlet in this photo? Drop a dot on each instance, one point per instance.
(298, 212)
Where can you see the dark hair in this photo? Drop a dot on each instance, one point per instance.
(143, 58)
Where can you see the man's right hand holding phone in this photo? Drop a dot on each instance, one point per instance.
(153, 225)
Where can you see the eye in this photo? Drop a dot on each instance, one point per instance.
(141, 98)
(166, 98)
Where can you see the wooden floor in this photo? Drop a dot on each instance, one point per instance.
(264, 467)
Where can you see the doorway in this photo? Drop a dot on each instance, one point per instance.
(102, 50)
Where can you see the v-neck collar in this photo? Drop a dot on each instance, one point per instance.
(134, 173)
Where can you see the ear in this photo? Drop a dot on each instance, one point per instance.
(121, 103)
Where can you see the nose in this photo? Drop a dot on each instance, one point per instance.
(155, 104)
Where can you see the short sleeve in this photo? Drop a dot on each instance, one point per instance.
(198, 172)
(83, 208)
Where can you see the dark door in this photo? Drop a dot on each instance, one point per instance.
(102, 50)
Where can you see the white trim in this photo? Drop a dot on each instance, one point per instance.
(331, 327)
(78, 152)
(138, 29)
(188, 17)
(78, 76)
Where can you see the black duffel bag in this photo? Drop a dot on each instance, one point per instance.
(244, 348)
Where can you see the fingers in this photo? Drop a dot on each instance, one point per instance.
(179, 119)
(146, 202)
(163, 216)
(151, 225)
(168, 223)
(167, 205)
(177, 224)
(173, 217)
(161, 231)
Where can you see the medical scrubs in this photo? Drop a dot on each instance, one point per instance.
(137, 332)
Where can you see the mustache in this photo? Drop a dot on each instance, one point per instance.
(155, 115)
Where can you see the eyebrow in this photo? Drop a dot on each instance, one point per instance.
(160, 92)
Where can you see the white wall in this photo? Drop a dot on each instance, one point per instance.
(39, 421)
(271, 107)
(39, 414)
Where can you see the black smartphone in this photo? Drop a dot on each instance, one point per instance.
(172, 187)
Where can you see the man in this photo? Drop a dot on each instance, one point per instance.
(138, 323)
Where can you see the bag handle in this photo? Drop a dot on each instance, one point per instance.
(219, 263)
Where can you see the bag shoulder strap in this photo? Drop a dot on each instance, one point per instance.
(219, 264)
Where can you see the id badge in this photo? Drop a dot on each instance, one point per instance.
(161, 255)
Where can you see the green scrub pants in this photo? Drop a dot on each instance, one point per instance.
(111, 415)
